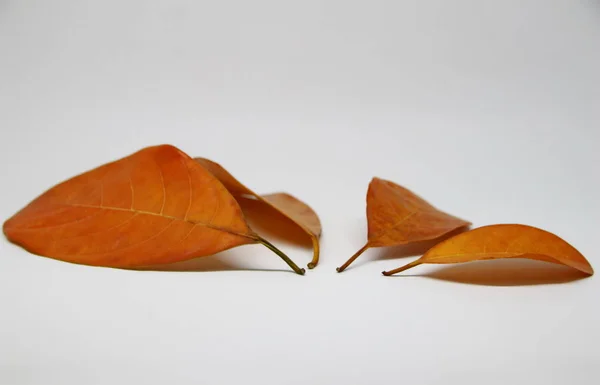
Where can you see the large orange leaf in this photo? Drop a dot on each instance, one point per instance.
(294, 210)
(397, 216)
(154, 207)
(503, 241)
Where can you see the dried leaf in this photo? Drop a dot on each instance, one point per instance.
(300, 213)
(503, 241)
(397, 216)
(153, 207)
(296, 211)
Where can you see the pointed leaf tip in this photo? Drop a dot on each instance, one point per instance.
(154, 207)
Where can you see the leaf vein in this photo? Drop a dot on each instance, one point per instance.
(164, 189)
(190, 189)
(137, 244)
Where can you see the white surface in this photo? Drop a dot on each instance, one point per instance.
(489, 110)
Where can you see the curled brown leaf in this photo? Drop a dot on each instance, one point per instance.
(295, 211)
(397, 216)
(155, 206)
(503, 241)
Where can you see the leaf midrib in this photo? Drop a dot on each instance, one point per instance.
(481, 253)
(143, 212)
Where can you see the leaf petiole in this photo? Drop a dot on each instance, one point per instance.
(280, 253)
(400, 269)
(315, 260)
(352, 258)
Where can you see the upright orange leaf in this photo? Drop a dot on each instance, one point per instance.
(299, 212)
(296, 211)
(396, 216)
(156, 206)
(503, 241)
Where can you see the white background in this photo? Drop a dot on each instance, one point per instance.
(488, 109)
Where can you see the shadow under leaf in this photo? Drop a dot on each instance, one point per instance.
(505, 272)
(207, 264)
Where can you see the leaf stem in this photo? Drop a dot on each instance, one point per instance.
(312, 264)
(274, 249)
(405, 267)
(352, 258)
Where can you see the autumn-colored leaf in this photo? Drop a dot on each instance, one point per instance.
(503, 241)
(396, 216)
(153, 207)
(296, 211)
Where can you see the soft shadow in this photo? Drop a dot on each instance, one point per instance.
(208, 263)
(505, 272)
(416, 248)
(271, 224)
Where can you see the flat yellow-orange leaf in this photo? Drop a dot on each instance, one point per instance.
(155, 206)
(291, 208)
(503, 241)
(397, 216)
